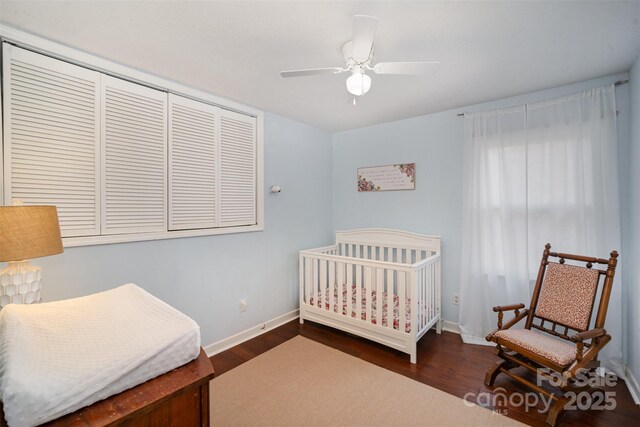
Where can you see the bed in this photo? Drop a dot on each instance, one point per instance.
(380, 284)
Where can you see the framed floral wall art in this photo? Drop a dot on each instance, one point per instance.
(387, 178)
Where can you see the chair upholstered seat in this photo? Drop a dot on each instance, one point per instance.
(553, 349)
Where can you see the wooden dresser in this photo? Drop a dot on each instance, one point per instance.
(179, 398)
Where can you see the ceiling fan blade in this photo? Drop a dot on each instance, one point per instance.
(404, 67)
(311, 72)
(364, 30)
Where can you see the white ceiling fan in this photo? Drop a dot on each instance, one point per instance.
(358, 56)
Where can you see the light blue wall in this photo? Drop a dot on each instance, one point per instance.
(434, 142)
(633, 230)
(206, 277)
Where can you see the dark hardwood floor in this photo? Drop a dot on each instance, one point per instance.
(444, 362)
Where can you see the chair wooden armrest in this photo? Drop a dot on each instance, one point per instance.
(581, 337)
(512, 307)
(519, 315)
(587, 335)
(508, 307)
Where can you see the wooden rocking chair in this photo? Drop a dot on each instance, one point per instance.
(562, 301)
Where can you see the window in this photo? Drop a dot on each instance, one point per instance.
(123, 161)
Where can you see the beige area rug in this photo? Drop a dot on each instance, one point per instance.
(304, 383)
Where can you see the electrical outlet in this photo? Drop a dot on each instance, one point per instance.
(456, 299)
(243, 305)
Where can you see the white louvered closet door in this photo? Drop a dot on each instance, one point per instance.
(51, 130)
(134, 160)
(237, 189)
(192, 164)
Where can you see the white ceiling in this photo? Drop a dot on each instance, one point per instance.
(236, 49)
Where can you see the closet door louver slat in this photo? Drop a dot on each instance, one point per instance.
(192, 164)
(134, 132)
(237, 169)
(52, 130)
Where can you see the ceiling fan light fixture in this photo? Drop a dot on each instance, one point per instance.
(358, 83)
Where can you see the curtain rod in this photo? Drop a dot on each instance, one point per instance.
(618, 83)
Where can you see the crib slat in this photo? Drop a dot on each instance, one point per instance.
(390, 297)
(423, 309)
(425, 297)
(438, 284)
(332, 284)
(307, 279)
(323, 283)
(340, 285)
(349, 285)
(424, 301)
(379, 286)
(315, 265)
(420, 300)
(429, 285)
(367, 289)
(359, 273)
(402, 313)
(432, 292)
(436, 291)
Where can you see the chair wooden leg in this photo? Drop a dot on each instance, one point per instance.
(556, 410)
(494, 371)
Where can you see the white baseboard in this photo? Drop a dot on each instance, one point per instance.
(252, 332)
(632, 385)
(450, 326)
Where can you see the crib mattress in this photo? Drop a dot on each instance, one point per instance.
(61, 356)
(374, 304)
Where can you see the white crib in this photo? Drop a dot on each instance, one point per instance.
(366, 266)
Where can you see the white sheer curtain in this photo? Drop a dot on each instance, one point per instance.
(544, 172)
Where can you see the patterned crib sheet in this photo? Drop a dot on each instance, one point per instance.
(374, 305)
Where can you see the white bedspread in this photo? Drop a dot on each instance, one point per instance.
(61, 356)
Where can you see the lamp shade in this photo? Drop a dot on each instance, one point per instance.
(28, 232)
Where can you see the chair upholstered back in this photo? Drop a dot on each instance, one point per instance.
(567, 295)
